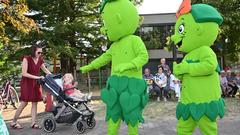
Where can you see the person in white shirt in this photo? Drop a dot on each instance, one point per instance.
(223, 83)
(160, 81)
(175, 85)
(238, 79)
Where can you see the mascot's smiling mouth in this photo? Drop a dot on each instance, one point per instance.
(179, 44)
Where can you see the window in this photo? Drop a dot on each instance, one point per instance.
(154, 37)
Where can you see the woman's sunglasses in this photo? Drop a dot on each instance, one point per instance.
(39, 52)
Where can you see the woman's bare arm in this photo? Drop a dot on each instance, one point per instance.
(25, 68)
(45, 70)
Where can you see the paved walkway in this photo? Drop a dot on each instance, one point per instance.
(163, 127)
(160, 120)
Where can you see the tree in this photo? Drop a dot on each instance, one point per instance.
(12, 23)
(12, 15)
(71, 29)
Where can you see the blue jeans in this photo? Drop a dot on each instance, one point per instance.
(161, 92)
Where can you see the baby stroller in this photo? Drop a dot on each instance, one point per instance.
(67, 110)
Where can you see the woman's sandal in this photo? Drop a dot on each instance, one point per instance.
(16, 126)
(35, 126)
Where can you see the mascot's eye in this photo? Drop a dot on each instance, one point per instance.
(181, 29)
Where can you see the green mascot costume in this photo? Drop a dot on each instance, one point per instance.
(196, 30)
(125, 93)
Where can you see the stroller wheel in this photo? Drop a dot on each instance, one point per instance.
(49, 124)
(80, 126)
(91, 122)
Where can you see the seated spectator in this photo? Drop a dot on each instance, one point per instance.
(238, 80)
(175, 85)
(160, 83)
(148, 77)
(223, 83)
(238, 83)
(232, 83)
(166, 71)
(166, 68)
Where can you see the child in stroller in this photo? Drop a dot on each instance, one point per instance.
(68, 110)
(69, 89)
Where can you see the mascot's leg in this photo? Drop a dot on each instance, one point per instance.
(186, 127)
(125, 104)
(133, 130)
(207, 126)
(113, 127)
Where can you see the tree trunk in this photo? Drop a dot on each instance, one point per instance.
(67, 64)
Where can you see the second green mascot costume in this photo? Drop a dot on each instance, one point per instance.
(196, 30)
(125, 94)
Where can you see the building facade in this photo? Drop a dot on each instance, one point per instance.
(154, 31)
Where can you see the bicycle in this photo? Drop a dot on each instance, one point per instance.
(8, 95)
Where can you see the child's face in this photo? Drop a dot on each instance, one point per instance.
(67, 79)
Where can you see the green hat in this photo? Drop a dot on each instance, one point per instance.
(206, 13)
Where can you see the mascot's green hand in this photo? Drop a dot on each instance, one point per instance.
(181, 68)
(86, 69)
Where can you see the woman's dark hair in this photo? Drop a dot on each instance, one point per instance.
(160, 67)
(33, 49)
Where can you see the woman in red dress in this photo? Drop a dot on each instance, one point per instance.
(30, 89)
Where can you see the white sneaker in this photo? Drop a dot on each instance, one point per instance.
(164, 99)
(158, 99)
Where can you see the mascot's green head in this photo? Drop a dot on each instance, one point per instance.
(196, 26)
(120, 18)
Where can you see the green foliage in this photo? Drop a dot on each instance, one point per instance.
(155, 37)
(8, 63)
(69, 27)
(137, 2)
(13, 23)
(12, 16)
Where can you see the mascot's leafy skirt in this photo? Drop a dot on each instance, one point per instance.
(196, 111)
(203, 114)
(125, 99)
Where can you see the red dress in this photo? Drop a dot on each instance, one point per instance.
(30, 89)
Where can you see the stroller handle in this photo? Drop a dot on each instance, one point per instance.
(57, 76)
